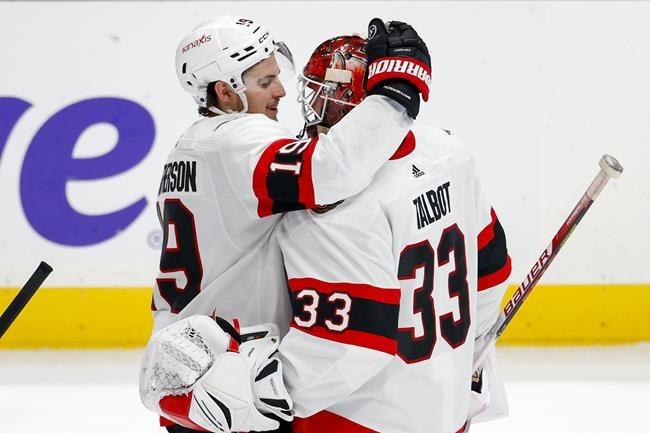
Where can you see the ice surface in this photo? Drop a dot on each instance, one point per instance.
(589, 389)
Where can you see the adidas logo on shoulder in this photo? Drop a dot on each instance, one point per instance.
(417, 172)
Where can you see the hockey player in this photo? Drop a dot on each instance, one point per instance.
(224, 187)
(389, 288)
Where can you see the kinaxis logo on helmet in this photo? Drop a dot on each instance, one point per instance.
(197, 42)
(397, 66)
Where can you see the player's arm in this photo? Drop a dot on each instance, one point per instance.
(494, 264)
(289, 174)
(330, 167)
(494, 267)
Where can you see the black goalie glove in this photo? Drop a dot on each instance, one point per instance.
(399, 64)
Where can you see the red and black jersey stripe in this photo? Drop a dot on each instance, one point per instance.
(372, 313)
(282, 179)
(327, 422)
(493, 260)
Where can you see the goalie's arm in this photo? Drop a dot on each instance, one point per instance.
(494, 268)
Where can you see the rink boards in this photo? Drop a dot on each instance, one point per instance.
(111, 318)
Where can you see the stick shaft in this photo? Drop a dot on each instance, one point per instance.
(23, 296)
(549, 254)
(609, 168)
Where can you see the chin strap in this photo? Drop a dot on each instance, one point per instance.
(303, 132)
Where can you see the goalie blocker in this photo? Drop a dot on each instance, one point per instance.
(196, 374)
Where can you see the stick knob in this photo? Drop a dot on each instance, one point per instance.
(611, 166)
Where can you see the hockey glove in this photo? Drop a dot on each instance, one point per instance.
(399, 64)
(260, 344)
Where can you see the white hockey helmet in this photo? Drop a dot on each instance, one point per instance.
(222, 50)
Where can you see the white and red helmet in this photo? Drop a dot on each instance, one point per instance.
(332, 82)
(222, 50)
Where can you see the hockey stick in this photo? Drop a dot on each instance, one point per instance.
(23, 296)
(609, 168)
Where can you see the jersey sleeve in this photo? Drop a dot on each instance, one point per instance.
(290, 174)
(345, 304)
(494, 264)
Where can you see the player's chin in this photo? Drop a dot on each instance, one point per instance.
(272, 113)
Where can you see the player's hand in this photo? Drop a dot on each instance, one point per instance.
(479, 397)
(399, 64)
(403, 40)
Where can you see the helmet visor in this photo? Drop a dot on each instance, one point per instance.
(285, 61)
(276, 70)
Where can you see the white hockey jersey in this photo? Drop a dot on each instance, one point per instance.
(389, 290)
(223, 189)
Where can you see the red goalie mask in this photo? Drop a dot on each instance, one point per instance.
(332, 82)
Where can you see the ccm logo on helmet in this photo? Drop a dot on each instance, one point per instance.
(399, 66)
(263, 38)
(197, 42)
